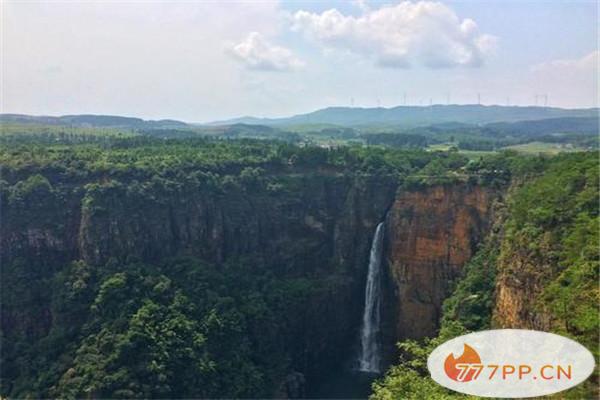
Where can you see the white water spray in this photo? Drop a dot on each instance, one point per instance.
(370, 357)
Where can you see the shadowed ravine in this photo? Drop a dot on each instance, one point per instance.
(345, 384)
(355, 383)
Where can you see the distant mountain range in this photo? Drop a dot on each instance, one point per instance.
(401, 117)
(410, 116)
(107, 121)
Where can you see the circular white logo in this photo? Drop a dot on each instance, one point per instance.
(510, 363)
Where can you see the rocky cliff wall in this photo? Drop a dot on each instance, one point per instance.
(518, 287)
(307, 222)
(312, 225)
(430, 234)
(523, 271)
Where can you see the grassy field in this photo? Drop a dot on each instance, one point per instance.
(472, 154)
(526, 148)
(546, 148)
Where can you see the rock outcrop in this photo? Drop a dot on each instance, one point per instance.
(522, 276)
(430, 234)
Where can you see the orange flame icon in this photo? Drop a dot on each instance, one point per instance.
(460, 369)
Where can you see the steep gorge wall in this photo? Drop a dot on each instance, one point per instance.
(430, 234)
(313, 225)
(522, 273)
(520, 281)
(525, 266)
(313, 221)
(547, 269)
(316, 225)
(321, 220)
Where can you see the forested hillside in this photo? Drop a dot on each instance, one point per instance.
(538, 269)
(277, 199)
(136, 267)
(140, 267)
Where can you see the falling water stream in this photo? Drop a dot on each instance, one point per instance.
(356, 383)
(369, 359)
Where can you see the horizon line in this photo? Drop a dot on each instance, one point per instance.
(144, 118)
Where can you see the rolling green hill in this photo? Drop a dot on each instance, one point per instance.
(407, 116)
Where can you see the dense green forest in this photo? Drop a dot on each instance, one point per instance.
(140, 156)
(176, 327)
(123, 313)
(179, 329)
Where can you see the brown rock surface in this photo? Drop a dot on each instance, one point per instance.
(520, 281)
(430, 234)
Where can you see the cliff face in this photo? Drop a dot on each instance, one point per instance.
(548, 266)
(517, 292)
(317, 220)
(301, 230)
(316, 226)
(522, 272)
(430, 234)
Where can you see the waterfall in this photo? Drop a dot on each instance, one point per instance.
(369, 358)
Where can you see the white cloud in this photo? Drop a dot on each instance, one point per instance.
(568, 82)
(167, 60)
(256, 52)
(401, 35)
(361, 4)
(162, 60)
(589, 62)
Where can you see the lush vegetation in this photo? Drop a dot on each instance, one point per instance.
(468, 309)
(551, 226)
(190, 327)
(181, 329)
(555, 220)
(164, 327)
(137, 156)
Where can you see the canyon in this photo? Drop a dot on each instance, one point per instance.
(320, 226)
(288, 276)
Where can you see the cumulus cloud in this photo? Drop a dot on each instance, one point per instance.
(257, 53)
(401, 35)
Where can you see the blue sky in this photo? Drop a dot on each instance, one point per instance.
(202, 61)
